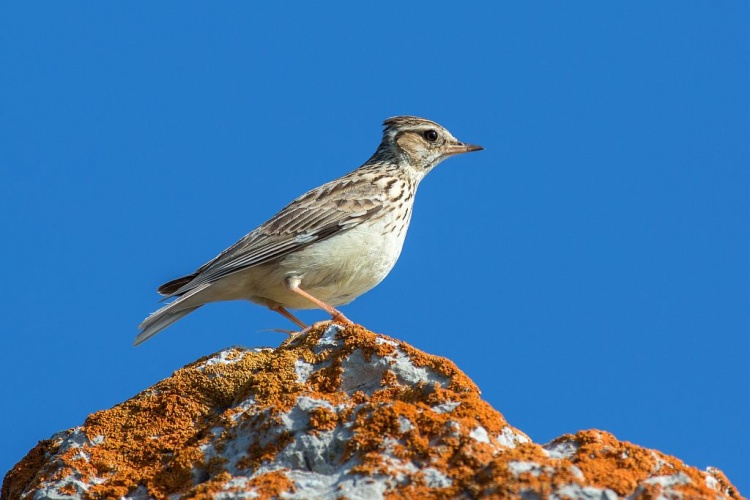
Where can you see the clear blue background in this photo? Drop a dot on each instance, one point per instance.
(588, 270)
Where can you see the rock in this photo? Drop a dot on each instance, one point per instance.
(336, 413)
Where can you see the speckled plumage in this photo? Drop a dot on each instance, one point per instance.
(328, 246)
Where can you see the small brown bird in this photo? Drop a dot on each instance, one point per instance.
(330, 245)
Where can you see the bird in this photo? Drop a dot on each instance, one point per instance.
(328, 246)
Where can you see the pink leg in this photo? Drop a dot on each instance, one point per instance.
(293, 285)
(291, 317)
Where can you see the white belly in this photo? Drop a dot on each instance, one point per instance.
(336, 270)
(345, 266)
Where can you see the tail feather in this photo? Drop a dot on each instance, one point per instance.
(170, 313)
(158, 321)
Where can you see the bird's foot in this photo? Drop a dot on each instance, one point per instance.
(339, 318)
(315, 325)
(279, 330)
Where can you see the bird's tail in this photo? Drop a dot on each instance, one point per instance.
(168, 314)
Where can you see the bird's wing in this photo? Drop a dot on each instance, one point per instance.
(316, 215)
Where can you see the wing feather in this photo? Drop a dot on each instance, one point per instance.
(308, 219)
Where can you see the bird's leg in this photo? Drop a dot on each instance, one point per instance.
(292, 284)
(291, 317)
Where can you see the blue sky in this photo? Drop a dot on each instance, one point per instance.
(588, 269)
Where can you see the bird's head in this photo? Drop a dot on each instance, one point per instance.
(420, 143)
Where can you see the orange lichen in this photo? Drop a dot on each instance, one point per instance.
(24, 475)
(159, 439)
(272, 484)
(322, 419)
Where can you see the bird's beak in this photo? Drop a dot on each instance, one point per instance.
(460, 147)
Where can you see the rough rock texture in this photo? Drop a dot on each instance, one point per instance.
(336, 413)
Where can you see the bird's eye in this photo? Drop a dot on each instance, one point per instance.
(430, 135)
